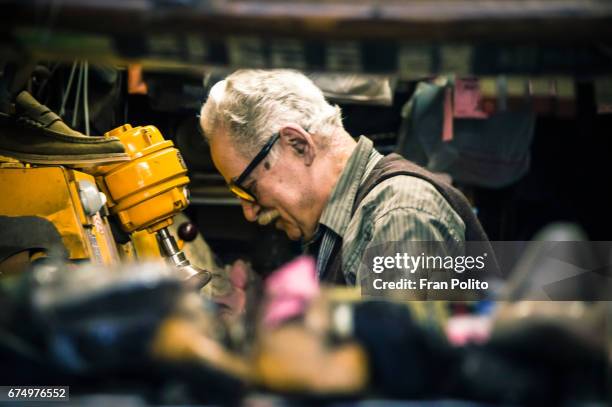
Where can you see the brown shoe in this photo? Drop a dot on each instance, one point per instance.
(37, 135)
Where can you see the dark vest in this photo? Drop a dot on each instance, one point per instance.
(393, 165)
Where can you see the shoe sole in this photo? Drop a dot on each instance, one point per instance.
(67, 159)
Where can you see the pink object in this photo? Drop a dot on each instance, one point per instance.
(239, 274)
(235, 300)
(468, 99)
(464, 329)
(289, 290)
(447, 129)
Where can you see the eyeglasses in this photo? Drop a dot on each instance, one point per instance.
(236, 186)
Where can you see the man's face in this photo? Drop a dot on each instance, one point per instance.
(283, 184)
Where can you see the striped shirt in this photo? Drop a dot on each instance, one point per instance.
(401, 208)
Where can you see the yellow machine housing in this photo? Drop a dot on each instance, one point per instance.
(53, 193)
(147, 191)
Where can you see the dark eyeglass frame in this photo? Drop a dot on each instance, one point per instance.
(236, 185)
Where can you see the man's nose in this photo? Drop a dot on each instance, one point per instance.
(250, 209)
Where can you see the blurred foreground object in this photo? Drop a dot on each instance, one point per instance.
(141, 326)
(528, 354)
(81, 325)
(97, 318)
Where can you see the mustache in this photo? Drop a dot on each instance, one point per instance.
(265, 218)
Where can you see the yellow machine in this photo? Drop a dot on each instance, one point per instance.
(143, 194)
(66, 198)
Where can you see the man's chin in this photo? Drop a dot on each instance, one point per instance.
(293, 237)
(291, 232)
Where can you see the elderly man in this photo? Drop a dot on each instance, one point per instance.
(284, 152)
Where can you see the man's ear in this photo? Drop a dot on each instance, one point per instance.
(299, 141)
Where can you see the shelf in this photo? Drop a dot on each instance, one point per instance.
(408, 38)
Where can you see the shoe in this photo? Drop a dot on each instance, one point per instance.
(38, 135)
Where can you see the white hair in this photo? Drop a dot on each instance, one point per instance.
(251, 105)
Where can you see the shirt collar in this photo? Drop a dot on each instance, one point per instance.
(338, 211)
